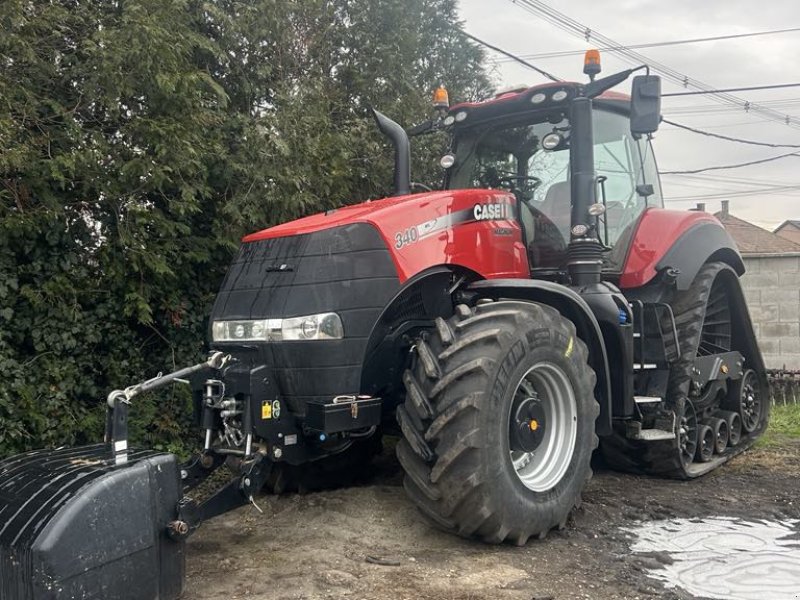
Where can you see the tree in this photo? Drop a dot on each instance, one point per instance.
(139, 139)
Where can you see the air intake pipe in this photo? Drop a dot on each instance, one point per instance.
(402, 152)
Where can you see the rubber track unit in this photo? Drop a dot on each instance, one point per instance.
(444, 419)
(662, 458)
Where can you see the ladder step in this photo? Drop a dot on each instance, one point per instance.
(646, 399)
(655, 435)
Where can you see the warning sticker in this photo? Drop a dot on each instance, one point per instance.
(266, 409)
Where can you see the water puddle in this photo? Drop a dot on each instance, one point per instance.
(724, 558)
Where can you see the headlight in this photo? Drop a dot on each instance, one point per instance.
(324, 326)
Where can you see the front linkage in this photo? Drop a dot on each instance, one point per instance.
(246, 424)
(240, 490)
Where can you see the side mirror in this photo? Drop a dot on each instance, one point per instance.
(645, 104)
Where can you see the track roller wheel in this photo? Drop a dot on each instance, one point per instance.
(721, 435)
(748, 401)
(734, 422)
(506, 451)
(705, 443)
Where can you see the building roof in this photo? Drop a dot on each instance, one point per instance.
(752, 239)
(792, 222)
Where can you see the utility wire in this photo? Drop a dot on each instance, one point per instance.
(739, 89)
(736, 166)
(736, 180)
(673, 123)
(729, 138)
(785, 191)
(733, 180)
(562, 21)
(511, 56)
(545, 55)
(686, 127)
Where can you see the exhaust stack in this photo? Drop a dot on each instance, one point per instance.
(402, 152)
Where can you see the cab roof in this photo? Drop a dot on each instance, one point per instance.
(522, 101)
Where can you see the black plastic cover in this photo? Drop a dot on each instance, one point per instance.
(347, 270)
(75, 526)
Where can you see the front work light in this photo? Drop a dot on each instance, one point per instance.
(323, 326)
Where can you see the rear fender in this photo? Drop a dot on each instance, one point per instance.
(574, 308)
(683, 240)
(701, 243)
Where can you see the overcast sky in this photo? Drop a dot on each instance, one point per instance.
(762, 60)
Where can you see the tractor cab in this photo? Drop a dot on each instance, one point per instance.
(522, 142)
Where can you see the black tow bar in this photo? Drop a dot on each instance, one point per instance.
(119, 400)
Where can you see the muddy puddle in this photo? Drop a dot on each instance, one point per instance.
(725, 558)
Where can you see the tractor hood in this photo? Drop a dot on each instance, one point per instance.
(370, 211)
(475, 229)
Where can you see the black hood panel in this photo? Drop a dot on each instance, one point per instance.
(347, 270)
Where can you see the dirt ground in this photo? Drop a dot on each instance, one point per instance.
(369, 542)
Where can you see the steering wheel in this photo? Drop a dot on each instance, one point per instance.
(523, 186)
(513, 178)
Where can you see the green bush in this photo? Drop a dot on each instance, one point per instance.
(139, 140)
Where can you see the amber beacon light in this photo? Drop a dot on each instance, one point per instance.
(441, 99)
(591, 63)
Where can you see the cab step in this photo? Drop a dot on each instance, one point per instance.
(647, 399)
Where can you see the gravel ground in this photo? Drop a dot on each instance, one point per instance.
(369, 542)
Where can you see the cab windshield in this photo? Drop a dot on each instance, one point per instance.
(510, 156)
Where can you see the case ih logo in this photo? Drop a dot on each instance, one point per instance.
(487, 212)
(497, 211)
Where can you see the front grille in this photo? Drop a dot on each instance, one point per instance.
(347, 270)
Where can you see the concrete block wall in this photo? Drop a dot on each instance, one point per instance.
(772, 288)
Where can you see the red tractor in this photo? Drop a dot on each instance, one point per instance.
(541, 303)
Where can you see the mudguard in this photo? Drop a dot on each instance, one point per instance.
(574, 308)
(683, 240)
(698, 245)
(75, 525)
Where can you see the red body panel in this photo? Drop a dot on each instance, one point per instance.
(475, 229)
(655, 234)
(607, 95)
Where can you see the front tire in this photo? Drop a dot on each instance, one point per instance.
(498, 422)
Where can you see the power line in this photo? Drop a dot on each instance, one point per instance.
(736, 166)
(546, 55)
(738, 194)
(738, 180)
(565, 23)
(704, 109)
(739, 89)
(729, 138)
(732, 180)
(508, 54)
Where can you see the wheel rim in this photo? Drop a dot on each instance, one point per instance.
(750, 402)
(547, 391)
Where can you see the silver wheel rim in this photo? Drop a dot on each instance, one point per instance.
(542, 469)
